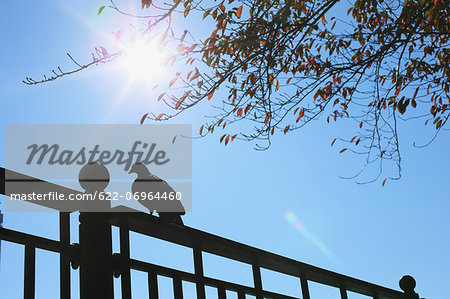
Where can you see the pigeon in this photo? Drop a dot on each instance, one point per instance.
(146, 182)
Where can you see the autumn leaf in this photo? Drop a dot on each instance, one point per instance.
(210, 95)
(334, 140)
(206, 13)
(159, 116)
(161, 96)
(183, 36)
(104, 52)
(227, 139)
(234, 136)
(286, 129)
(146, 3)
(172, 81)
(143, 118)
(300, 115)
(323, 20)
(186, 11)
(415, 93)
(196, 75)
(342, 150)
(239, 12)
(384, 182)
(201, 129)
(117, 35)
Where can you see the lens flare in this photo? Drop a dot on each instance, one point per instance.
(292, 218)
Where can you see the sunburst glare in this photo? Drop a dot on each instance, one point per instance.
(143, 60)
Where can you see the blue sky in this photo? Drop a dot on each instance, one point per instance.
(371, 232)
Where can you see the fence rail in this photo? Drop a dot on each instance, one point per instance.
(98, 264)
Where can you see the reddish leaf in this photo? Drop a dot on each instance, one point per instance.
(415, 94)
(201, 129)
(286, 129)
(360, 125)
(143, 118)
(172, 81)
(384, 182)
(227, 139)
(117, 35)
(161, 96)
(323, 20)
(146, 3)
(239, 12)
(196, 75)
(210, 95)
(183, 36)
(104, 52)
(352, 139)
(159, 116)
(342, 150)
(234, 136)
(186, 11)
(334, 140)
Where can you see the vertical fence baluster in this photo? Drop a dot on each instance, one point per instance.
(305, 288)
(152, 285)
(198, 268)
(241, 295)
(64, 262)
(125, 277)
(343, 291)
(221, 292)
(30, 271)
(257, 279)
(177, 288)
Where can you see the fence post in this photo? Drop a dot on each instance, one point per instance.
(407, 284)
(96, 279)
(96, 269)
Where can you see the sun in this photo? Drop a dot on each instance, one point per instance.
(143, 60)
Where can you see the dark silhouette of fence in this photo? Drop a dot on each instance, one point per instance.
(98, 264)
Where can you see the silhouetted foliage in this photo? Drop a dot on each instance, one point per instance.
(283, 64)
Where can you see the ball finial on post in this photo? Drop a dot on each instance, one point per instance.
(407, 284)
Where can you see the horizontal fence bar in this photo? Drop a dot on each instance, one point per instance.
(27, 239)
(190, 277)
(182, 235)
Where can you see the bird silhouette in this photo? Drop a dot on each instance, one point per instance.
(146, 182)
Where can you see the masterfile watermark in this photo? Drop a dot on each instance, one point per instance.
(52, 154)
(98, 168)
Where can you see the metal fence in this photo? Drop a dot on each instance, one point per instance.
(99, 265)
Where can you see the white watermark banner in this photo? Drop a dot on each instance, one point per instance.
(99, 167)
